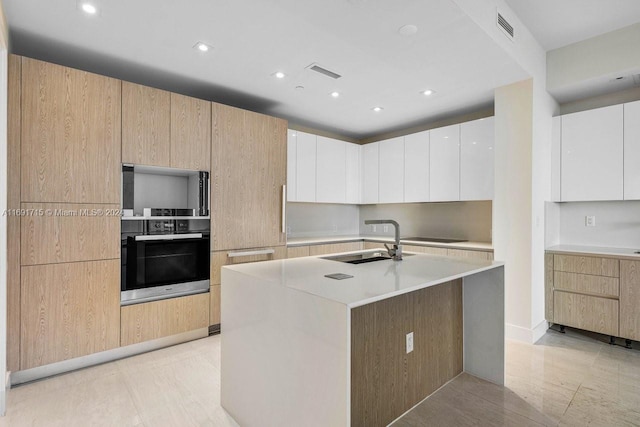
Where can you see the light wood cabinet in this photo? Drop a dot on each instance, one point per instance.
(249, 154)
(146, 125)
(470, 254)
(332, 248)
(630, 299)
(70, 144)
(586, 312)
(190, 133)
(14, 75)
(597, 266)
(374, 245)
(214, 305)
(587, 284)
(548, 287)
(298, 252)
(157, 319)
(69, 232)
(68, 310)
(425, 250)
(592, 155)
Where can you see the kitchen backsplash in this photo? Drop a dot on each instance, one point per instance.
(463, 220)
(617, 224)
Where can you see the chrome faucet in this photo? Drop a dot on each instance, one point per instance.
(396, 251)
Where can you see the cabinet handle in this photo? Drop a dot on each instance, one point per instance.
(284, 208)
(147, 237)
(251, 253)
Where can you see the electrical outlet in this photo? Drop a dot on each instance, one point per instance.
(409, 342)
(385, 228)
(373, 228)
(590, 221)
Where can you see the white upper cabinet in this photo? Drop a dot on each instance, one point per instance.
(305, 167)
(291, 165)
(632, 151)
(416, 167)
(556, 155)
(476, 159)
(330, 170)
(369, 183)
(592, 155)
(353, 173)
(444, 161)
(391, 188)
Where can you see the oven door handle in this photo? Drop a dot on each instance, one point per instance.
(148, 237)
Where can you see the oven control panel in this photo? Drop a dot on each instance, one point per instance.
(167, 226)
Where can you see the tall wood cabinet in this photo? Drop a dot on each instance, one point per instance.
(190, 133)
(248, 179)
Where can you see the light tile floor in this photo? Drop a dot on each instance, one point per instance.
(570, 379)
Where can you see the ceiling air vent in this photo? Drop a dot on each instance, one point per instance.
(504, 25)
(321, 70)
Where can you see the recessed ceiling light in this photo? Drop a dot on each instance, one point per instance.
(427, 92)
(473, 143)
(335, 94)
(202, 47)
(377, 109)
(279, 75)
(408, 30)
(89, 8)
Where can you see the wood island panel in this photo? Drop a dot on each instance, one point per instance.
(13, 202)
(249, 169)
(586, 312)
(58, 238)
(587, 284)
(385, 380)
(69, 310)
(630, 299)
(190, 133)
(146, 125)
(587, 265)
(333, 248)
(71, 130)
(157, 319)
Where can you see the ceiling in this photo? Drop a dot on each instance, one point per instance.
(557, 23)
(151, 42)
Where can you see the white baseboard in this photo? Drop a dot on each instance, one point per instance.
(529, 336)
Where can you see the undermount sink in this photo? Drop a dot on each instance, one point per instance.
(361, 258)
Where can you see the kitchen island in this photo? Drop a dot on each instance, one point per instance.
(299, 348)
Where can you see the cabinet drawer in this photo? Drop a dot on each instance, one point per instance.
(586, 312)
(587, 265)
(335, 248)
(214, 307)
(221, 258)
(470, 254)
(586, 284)
(425, 250)
(375, 245)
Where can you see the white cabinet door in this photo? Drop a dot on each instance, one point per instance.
(444, 161)
(476, 159)
(592, 155)
(370, 168)
(556, 156)
(305, 167)
(416, 167)
(632, 151)
(391, 188)
(291, 165)
(353, 173)
(330, 170)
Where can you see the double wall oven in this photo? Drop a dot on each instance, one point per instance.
(165, 251)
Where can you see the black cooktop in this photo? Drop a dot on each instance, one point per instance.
(434, 239)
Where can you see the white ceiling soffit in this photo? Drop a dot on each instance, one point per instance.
(151, 42)
(557, 23)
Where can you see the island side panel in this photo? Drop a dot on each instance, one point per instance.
(483, 301)
(284, 354)
(385, 380)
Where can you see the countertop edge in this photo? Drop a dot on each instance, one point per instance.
(602, 252)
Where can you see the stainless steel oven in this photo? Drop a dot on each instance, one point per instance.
(164, 259)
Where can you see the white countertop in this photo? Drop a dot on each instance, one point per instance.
(303, 241)
(596, 250)
(371, 281)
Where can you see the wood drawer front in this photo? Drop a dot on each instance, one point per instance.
(374, 245)
(586, 312)
(586, 284)
(298, 252)
(548, 287)
(587, 265)
(214, 308)
(470, 254)
(425, 250)
(157, 319)
(68, 310)
(48, 239)
(630, 299)
(221, 258)
(334, 248)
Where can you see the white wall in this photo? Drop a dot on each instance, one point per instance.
(3, 207)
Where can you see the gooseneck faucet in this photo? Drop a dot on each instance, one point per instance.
(396, 251)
